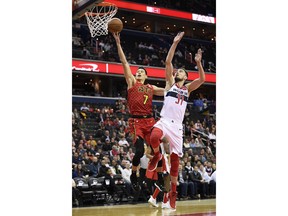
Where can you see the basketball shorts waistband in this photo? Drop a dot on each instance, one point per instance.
(141, 116)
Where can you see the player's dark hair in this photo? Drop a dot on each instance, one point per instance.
(184, 71)
(143, 69)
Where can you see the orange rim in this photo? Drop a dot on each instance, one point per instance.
(102, 4)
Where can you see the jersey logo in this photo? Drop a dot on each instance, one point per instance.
(176, 95)
(144, 89)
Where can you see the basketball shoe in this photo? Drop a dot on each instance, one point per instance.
(152, 201)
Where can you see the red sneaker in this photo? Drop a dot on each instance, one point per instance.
(172, 198)
(154, 162)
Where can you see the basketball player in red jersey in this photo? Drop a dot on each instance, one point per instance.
(140, 107)
(172, 115)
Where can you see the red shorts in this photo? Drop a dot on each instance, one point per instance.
(152, 175)
(141, 127)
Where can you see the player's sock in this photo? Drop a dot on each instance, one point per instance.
(165, 198)
(173, 187)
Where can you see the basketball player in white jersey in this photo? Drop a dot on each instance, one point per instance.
(172, 114)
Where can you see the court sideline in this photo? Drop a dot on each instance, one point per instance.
(184, 208)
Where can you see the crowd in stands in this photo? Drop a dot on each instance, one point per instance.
(152, 52)
(102, 147)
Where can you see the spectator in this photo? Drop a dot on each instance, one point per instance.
(209, 169)
(199, 141)
(106, 136)
(188, 168)
(94, 167)
(186, 144)
(86, 159)
(91, 141)
(212, 185)
(114, 151)
(78, 172)
(184, 184)
(202, 155)
(126, 172)
(76, 159)
(123, 143)
(206, 178)
(198, 181)
(115, 167)
(130, 154)
(212, 134)
(103, 168)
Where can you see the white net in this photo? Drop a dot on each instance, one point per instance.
(98, 17)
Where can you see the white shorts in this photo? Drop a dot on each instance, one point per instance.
(173, 131)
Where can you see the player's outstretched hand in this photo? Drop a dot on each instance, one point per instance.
(198, 55)
(178, 37)
(116, 35)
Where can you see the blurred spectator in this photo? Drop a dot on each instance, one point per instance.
(202, 155)
(115, 167)
(78, 172)
(188, 168)
(94, 167)
(212, 134)
(107, 145)
(123, 143)
(205, 184)
(114, 151)
(126, 172)
(103, 168)
(106, 136)
(91, 141)
(86, 159)
(186, 144)
(130, 154)
(199, 141)
(209, 169)
(76, 159)
(197, 180)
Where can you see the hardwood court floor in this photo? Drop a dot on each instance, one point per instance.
(205, 207)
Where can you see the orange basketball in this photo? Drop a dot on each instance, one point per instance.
(115, 25)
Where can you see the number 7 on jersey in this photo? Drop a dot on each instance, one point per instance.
(145, 98)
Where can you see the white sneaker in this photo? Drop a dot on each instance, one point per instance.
(165, 205)
(152, 201)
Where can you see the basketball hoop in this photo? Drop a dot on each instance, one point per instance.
(98, 17)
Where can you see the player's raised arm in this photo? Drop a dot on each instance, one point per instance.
(130, 79)
(199, 81)
(168, 62)
(158, 91)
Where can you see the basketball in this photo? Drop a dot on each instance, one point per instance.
(115, 25)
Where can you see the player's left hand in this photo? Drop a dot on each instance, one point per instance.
(178, 37)
(198, 56)
(116, 35)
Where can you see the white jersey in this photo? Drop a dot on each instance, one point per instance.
(175, 102)
(172, 115)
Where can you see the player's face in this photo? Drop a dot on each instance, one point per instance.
(140, 74)
(180, 75)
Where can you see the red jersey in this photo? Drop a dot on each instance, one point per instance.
(140, 99)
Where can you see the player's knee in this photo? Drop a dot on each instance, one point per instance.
(155, 137)
(174, 164)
